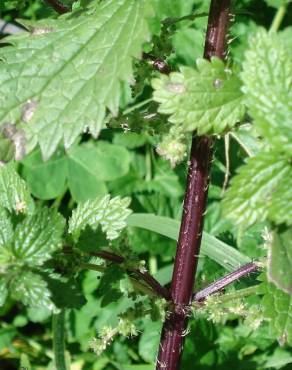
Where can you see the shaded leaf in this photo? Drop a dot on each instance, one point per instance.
(46, 179)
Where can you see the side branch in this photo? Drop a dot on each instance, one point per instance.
(226, 280)
(142, 274)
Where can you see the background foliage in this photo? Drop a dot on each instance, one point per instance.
(72, 78)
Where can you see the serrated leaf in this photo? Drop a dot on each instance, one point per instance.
(14, 194)
(6, 228)
(207, 100)
(277, 309)
(267, 79)
(38, 236)
(67, 71)
(255, 189)
(280, 260)
(30, 289)
(109, 213)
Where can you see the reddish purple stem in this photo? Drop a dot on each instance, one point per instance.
(188, 247)
(143, 275)
(226, 280)
(58, 6)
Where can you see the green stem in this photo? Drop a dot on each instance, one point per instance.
(148, 161)
(136, 106)
(241, 293)
(58, 200)
(278, 18)
(152, 265)
(59, 340)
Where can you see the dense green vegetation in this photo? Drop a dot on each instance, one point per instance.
(95, 135)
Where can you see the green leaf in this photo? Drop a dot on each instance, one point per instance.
(12, 4)
(24, 362)
(222, 253)
(277, 3)
(267, 79)
(66, 294)
(277, 309)
(14, 194)
(85, 168)
(280, 260)
(130, 140)
(38, 236)
(47, 180)
(246, 137)
(89, 165)
(30, 289)
(6, 228)
(208, 99)
(149, 341)
(280, 210)
(109, 213)
(67, 71)
(3, 291)
(255, 189)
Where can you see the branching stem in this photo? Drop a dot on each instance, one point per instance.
(141, 273)
(139, 286)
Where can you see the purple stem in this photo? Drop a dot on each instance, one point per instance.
(58, 6)
(221, 283)
(189, 241)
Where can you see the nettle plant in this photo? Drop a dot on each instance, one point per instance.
(78, 92)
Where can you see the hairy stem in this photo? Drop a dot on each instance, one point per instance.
(58, 6)
(226, 280)
(59, 340)
(142, 274)
(189, 241)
